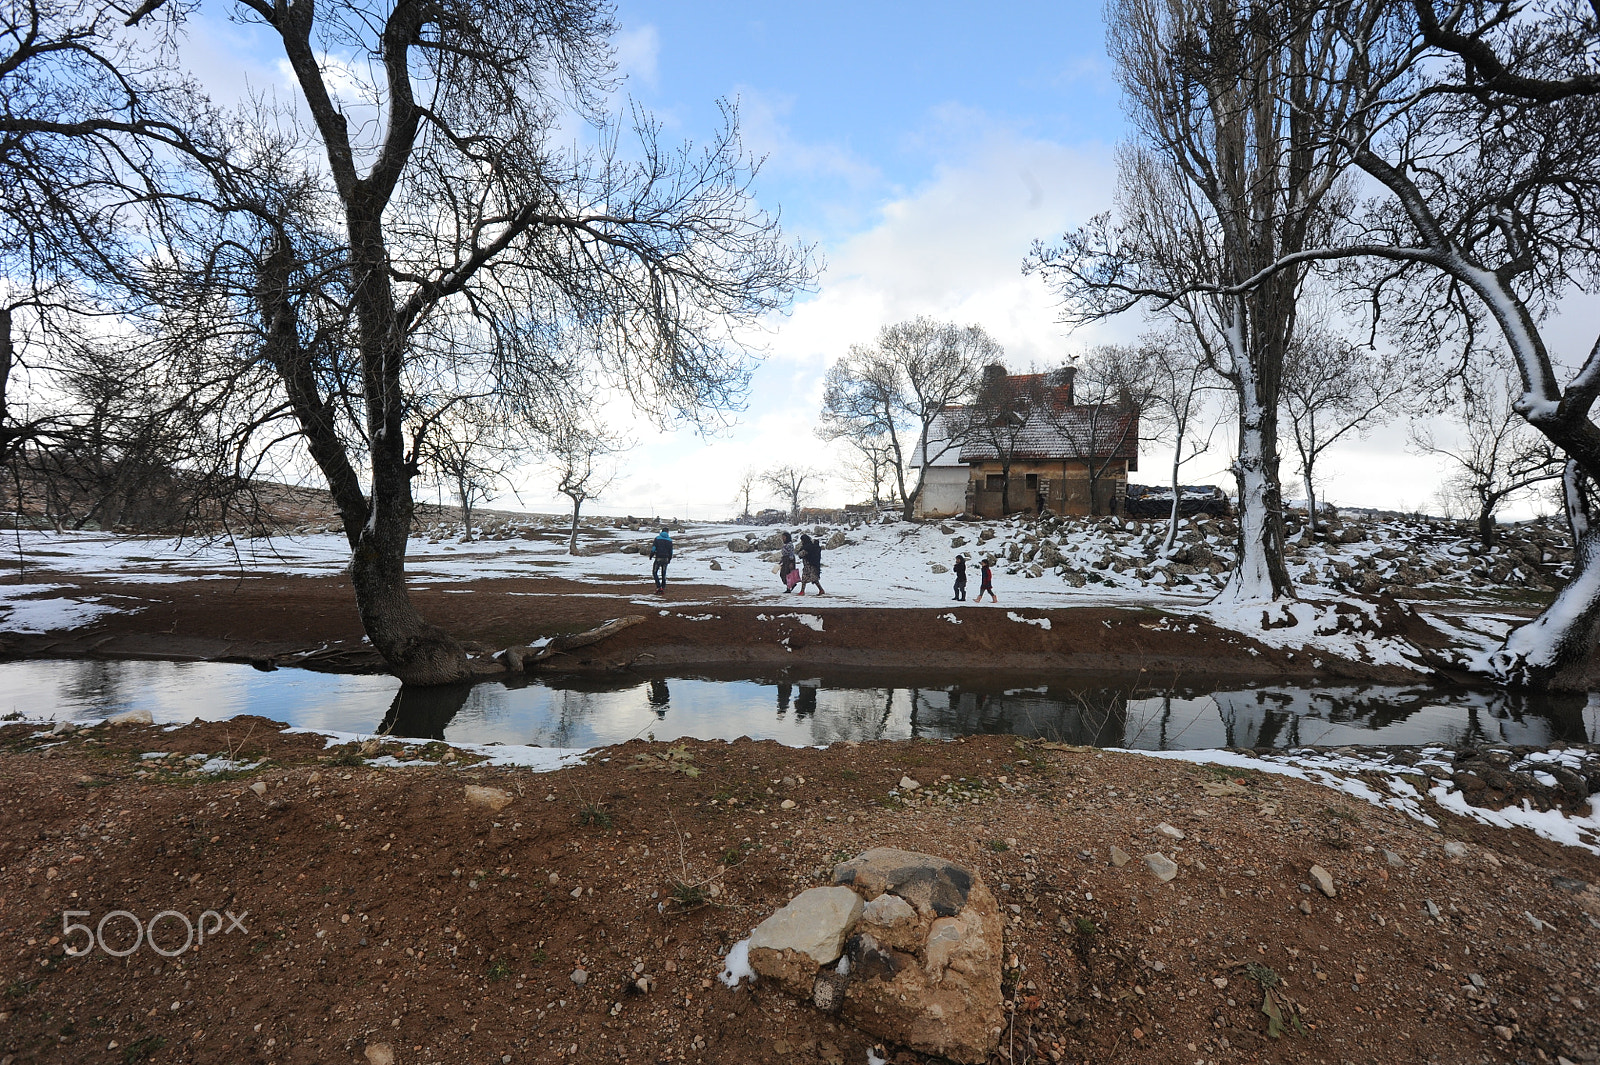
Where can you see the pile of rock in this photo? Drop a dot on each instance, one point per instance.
(907, 947)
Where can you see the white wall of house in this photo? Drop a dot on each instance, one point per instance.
(944, 493)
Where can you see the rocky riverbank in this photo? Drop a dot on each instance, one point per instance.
(388, 916)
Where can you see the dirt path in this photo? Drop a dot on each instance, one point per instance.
(378, 907)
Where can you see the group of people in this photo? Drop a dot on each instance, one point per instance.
(810, 568)
(986, 571)
(809, 557)
(801, 564)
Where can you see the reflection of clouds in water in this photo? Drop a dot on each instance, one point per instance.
(183, 691)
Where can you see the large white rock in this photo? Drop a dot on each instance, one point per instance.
(808, 933)
(131, 717)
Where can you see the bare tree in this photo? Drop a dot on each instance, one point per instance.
(788, 482)
(748, 480)
(582, 456)
(1178, 385)
(1332, 388)
(467, 447)
(871, 466)
(1483, 140)
(1110, 388)
(1233, 176)
(891, 393)
(998, 421)
(1498, 456)
(446, 240)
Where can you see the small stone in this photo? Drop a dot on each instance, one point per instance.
(492, 799)
(555, 878)
(576, 893)
(1477, 981)
(580, 976)
(1219, 982)
(1324, 881)
(907, 784)
(1120, 857)
(1502, 1033)
(380, 1054)
(1432, 910)
(259, 787)
(1394, 860)
(787, 804)
(1305, 906)
(1455, 849)
(1170, 831)
(1162, 867)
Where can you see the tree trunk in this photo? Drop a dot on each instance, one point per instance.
(1486, 528)
(377, 530)
(465, 493)
(572, 538)
(1261, 573)
(1172, 519)
(1311, 504)
(1554, 650)
(416, 651)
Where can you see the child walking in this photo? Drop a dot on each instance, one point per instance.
(961, 578)
(988, 582)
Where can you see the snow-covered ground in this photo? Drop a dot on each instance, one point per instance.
(1376, 780)
(1053, 564)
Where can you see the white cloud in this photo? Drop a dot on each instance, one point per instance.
(637, 53)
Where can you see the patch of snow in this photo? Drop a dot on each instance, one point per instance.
(736, 966)
(951, 618)
(810, 621)
(1043, 623)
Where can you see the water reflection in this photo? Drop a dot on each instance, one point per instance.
(589, 711)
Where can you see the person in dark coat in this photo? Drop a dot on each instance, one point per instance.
(810, 563)
(961, 578)
(660, 555)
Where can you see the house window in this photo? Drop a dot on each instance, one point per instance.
(1033, 482)
(994, 482)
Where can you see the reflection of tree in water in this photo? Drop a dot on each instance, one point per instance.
(423, 713)
(659, 697)
(784, 693)
(95, 685)
(860, 714)
(1095, 716)
(805, 704)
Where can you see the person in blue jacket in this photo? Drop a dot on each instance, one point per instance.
(660, 555)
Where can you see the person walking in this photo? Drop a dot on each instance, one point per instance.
(810, 563)
(988, 582)
(787, 572)
(961, 578)
(660, 555)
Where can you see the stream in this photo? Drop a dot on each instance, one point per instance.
(799, 709)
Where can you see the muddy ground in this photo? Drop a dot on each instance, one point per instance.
(378, 907)
(312, 622)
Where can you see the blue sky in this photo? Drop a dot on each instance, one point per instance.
(921, 148)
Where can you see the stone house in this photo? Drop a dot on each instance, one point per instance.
(1055, 454)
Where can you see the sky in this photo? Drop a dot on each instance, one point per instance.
(921, 149)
